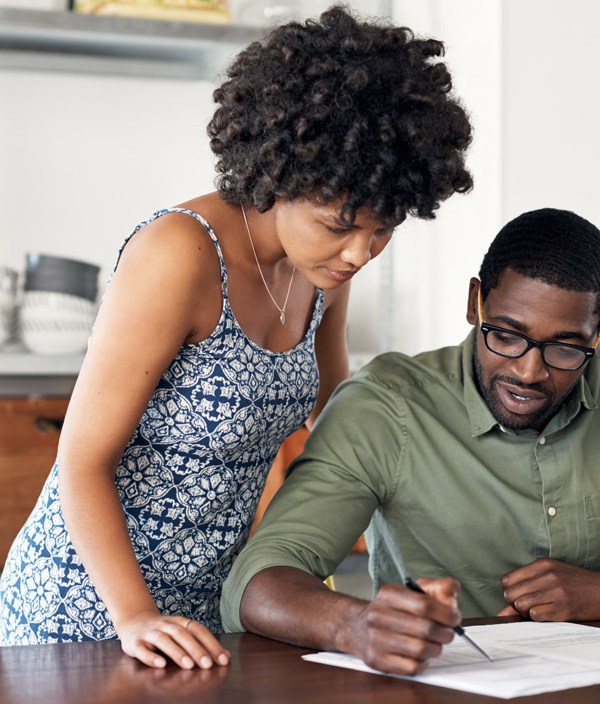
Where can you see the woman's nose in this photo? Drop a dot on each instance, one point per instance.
(357, 250)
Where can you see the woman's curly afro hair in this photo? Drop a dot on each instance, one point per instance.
(341, 109)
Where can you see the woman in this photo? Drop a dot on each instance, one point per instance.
(223, 330)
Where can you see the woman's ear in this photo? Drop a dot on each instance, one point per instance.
(473, 300)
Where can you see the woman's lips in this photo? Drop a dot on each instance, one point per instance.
(520, 401)
(341, 275)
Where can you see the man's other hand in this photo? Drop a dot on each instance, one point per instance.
(549, 590)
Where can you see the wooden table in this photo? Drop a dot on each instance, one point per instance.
(262, 672)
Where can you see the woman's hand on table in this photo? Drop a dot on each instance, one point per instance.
(153, 638)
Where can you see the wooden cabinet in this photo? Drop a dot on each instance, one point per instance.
(29, 432)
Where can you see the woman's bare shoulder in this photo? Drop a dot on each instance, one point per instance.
(174, 243)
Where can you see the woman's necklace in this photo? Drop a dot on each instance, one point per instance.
(287, 295)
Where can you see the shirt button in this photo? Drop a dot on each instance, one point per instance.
(552, 511)
(542, 440)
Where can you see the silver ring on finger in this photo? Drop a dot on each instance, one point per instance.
(187, 623)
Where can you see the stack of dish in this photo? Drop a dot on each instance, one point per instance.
(8, 302)
(58, 305)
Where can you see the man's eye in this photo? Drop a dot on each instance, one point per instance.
(564, 351)
(506, 338)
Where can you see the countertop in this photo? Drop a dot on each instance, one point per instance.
(23, 373)
(16, 360)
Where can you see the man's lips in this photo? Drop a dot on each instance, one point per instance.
(520, 400)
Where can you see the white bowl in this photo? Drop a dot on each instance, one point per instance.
(52, 304)
(55, 341)
(55, 323)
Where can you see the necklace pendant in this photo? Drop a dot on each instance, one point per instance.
(287, 295)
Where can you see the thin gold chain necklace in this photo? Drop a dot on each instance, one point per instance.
(287, 295)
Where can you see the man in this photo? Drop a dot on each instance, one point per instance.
(474, 465)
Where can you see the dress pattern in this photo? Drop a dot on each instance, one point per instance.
(189, 481)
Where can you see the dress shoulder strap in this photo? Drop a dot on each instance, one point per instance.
(196, 216)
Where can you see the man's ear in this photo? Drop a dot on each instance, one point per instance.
(472, 303)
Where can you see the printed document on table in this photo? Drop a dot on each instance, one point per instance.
(524, 660)
(564, 641)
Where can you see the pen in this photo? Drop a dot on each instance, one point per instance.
(459, 630)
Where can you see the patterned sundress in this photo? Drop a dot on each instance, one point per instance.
(189, 480)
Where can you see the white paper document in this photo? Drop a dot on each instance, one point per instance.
(528, 658)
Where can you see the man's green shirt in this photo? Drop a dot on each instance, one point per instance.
(409, 448)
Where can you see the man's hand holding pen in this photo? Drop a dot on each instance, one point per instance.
(459, 630)
(401, 630)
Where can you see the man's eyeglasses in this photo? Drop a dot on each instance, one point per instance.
(559, 355)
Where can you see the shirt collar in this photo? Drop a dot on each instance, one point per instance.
(481, 419)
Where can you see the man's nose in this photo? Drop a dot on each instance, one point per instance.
(531, 368)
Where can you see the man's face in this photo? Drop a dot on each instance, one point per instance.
(525, 392)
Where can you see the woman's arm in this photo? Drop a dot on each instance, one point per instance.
(147, 313)
(331, 347)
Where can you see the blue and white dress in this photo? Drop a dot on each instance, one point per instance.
(189, 480)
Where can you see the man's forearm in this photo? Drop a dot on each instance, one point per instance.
(399, 631)
(296, 607)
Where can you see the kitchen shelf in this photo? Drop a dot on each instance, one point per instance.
(73, 42)
(24, 374)
(15, 360)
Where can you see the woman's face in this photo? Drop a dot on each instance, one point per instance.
(324, 249)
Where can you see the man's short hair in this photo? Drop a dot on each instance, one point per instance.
(557, 247)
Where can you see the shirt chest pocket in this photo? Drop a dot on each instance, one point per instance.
(592, 522)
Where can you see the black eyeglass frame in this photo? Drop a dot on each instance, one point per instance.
(588, 351)
(487, 327)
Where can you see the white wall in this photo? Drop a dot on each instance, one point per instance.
(85, 157)
(551, 106)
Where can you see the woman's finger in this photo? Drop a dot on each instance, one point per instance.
(165, 642)
(215, 650)
(147, 656)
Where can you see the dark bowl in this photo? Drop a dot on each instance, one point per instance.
(44, 272)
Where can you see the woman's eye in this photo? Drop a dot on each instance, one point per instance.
(338, 230)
